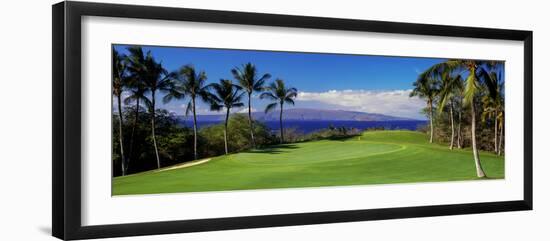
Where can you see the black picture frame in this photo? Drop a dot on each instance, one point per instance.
(66, 47)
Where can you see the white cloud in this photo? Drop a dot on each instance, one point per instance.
(392, 102)
(245, 110)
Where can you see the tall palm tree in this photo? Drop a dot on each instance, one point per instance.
(490, 111)
(459, 137)
(155, 78)
(476, 78)
(472, 88)
(278, 92)
(137, 94)
(493, 103)
(500, 119)
(450, 87)
(119, 80)
(426, 87)
(247, 77)
(193, 85)
(226, 95)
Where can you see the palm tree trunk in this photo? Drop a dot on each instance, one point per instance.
(153, 117)
(225, 131)
(431, 121)
(281, 124)
(134, 125)
(496, 132)
(251, 123)
(459, 130)
(194, 129)
(452, 128)
(122, 159)
(479, 168)
(500, 139)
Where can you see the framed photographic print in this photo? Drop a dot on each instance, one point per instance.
(170, 120)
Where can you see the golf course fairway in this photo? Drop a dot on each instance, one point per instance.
(375, 157)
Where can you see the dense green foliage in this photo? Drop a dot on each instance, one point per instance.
(375, 157)
(212, 142)
(171, 138)
(454, 97)
(175, 142)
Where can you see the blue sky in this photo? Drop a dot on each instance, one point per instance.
(376, 84)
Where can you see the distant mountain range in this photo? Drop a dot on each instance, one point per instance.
(302, 114)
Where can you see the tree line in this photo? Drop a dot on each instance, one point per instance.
(138, 79)
(460, 91)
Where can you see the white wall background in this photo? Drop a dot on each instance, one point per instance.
(25, 122)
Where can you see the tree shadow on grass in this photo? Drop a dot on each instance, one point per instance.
(342, 138)
(275, 149)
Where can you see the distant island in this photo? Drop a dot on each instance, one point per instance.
(306, 114)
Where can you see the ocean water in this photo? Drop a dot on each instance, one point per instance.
(312, 126)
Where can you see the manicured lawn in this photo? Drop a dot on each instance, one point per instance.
(376, 157)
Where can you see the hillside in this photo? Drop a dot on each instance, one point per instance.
(304, 114)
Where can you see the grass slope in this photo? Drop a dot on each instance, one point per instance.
(373, 158)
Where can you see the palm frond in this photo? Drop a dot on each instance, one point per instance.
(259, 84)
(237, 105)
(189, 108)
(216, 107)
(490, 81)
(291, 95)
(268, 95)
(173, 94)
(148, 103)
(471, 89)
(289, 101)
(270, 107)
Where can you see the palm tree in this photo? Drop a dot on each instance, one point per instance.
(477, 78)
(227, 95)
(500, 116)
(493, 103)
(490, 111)
(119, 80)
(278, 92)
(137, 94)
(500, 119)
(459, 138)
(426, 87)
(450, 87)
(472, 88)
(192, 84)
(155, 79)
(249, 81)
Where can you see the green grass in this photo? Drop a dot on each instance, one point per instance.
(377, 157)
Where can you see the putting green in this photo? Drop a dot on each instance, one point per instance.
(309, 152)
(377, 157)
